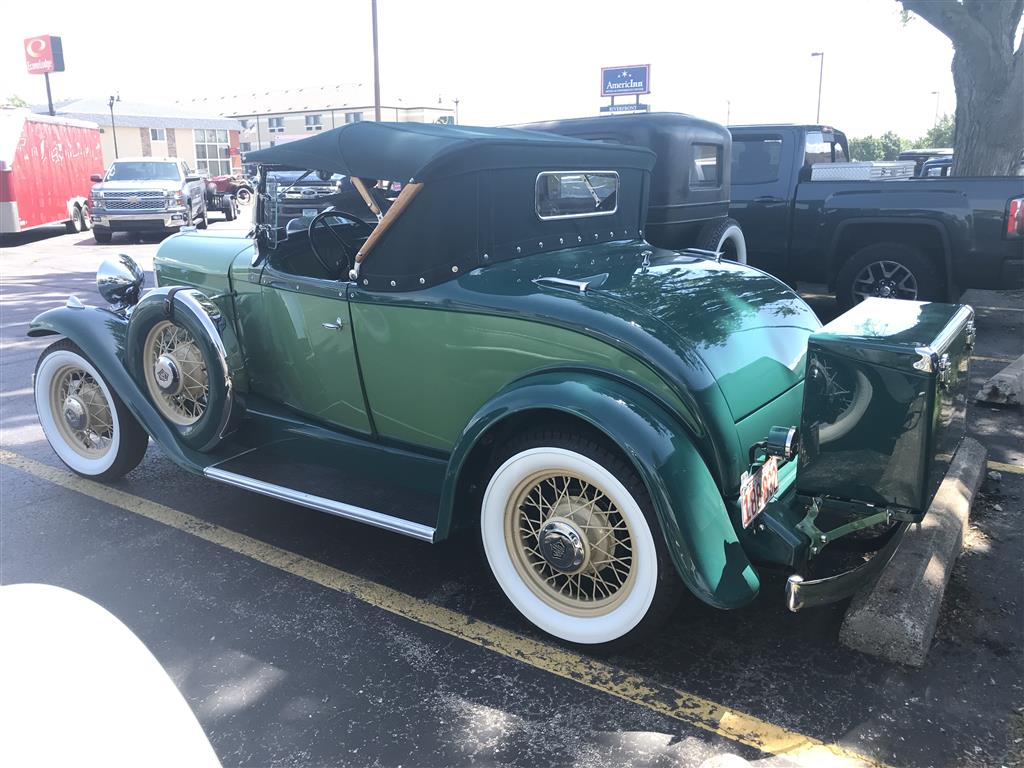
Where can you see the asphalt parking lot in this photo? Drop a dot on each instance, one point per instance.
(300, 639)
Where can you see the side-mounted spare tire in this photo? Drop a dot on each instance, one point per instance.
(177, 354)
(724, 235)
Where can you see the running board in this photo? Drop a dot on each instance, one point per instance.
(319, 503)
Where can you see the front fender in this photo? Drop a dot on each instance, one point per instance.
(688, 505)
(101, 334)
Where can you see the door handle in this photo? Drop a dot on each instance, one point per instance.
(767, 199)
(337, 325)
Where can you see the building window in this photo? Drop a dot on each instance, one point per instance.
(157, 134)
(353, 117)
(276, 124)
(245, 146)
(314, 122)
(213, 153)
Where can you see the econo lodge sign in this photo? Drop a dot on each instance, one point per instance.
(44, 54)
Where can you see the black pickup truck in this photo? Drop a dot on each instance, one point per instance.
(915, 238)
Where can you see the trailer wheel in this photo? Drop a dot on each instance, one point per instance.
(86, 219)
(888, 271)
(725, 236)
(74, 224)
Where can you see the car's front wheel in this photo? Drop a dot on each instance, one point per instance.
(571, 540)
(89, 427)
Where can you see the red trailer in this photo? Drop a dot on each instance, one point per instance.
(45, 165)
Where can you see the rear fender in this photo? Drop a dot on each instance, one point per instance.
(101, 333)
(696, 526)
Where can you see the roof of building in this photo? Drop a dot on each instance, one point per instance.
(320, 98)
(421, 152)
(135, 114)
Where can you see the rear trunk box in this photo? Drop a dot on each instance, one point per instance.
(884, 405)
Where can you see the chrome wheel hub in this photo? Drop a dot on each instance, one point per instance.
(563, 546)
(886, 280)
(165, 371)
(75, 413)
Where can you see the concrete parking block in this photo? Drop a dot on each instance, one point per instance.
(1006, 387)
(895, 618)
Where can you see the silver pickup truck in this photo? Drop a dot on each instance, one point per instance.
(146, 194)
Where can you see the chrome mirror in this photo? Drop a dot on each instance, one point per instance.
(119, 281)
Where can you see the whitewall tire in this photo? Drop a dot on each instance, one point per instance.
(85, 422)
(570, 545)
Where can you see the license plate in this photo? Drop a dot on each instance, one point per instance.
(757, 488)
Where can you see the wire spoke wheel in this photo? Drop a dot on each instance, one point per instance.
(570, 544)
(82, 412)
(176, 373)
(885, 279)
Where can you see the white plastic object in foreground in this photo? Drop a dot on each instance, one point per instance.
(79, 689)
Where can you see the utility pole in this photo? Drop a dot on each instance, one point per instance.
(728, 111)
(936, 95)
(113, 128)
(376, 65)
(821, 74)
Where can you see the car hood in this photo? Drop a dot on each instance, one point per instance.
(747, 328)
(131, 185)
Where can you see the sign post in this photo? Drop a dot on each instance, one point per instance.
(626, 81)
(44, 54)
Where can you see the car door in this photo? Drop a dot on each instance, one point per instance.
(309, 360)
(761, 186)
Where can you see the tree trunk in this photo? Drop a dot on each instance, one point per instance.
(988, 75)
(989, 114)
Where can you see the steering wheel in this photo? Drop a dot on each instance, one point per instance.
(345, 247)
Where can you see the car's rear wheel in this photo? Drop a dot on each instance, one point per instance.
(243, 195)
(89, 427)
(888, 271)
(570, 538)
(725, 237)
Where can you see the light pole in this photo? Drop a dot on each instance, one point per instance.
(113, 128)
(728, 111)
(936, 95)
(821, 74)
(456, 111)
(376, 65)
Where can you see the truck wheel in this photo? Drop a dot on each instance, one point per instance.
(86, 423)
(888, 271)
(203, 220)
(229, 212)
(102, 236)
(569, 535)
(74, 224)
(725, 236)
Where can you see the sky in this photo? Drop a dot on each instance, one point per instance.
(747, 61)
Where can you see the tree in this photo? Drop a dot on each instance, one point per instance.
(14, 100)
(865, 148)
(891, 145)
(988, 76)
(941, 134)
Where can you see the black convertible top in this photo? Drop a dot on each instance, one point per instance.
(423, 152)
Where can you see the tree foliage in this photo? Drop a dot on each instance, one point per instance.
(988, 75)
(14, 100)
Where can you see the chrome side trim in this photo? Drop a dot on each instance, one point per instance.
(561, 282)
(319, 503)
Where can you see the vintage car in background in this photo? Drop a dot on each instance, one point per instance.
(501, 352)
(688, 204)
(227, 193)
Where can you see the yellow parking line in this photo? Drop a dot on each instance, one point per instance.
(989, 359)
(1015, 469)
(670, 702)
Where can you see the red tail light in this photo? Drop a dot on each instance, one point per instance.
(1015, 218)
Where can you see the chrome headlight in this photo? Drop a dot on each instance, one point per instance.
(119, 281)
(97, 197)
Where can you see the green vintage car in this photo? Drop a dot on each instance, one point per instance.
(499, 351)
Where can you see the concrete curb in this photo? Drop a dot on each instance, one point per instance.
(1006, 387)
(895, 618)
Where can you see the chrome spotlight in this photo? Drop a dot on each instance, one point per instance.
(120, 281)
